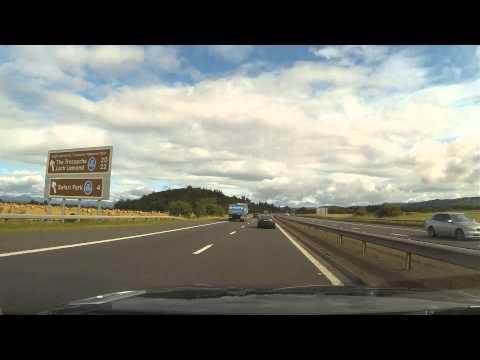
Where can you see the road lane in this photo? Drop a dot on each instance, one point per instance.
(33, 282)
(324, 271)
(400, 232)
(26, 240)
(100, 242)
(257, 257)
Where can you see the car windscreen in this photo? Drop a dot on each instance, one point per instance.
(140, 167)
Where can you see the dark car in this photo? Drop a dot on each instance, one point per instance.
(266, 222)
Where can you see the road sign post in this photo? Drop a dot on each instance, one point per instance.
(79, 209)
(63, 206)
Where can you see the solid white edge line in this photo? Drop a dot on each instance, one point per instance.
(327, 273)
(23, 252)
(399, 234)
(199, 251)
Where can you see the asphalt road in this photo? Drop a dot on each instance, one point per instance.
(45, 270)
(401, 232)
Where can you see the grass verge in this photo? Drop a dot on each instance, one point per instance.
(414, 219)
(414, 223)
(28, 225)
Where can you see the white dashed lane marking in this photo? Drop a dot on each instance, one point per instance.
(199, 251)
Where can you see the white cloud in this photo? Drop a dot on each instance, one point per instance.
(164, 58)
(232, 53)
(302, 134)
(101, 58)
(133, 193)
(21, 183)
(346, 54)
(67, 66)
(112, 56)
(328, 52)
(400, 71)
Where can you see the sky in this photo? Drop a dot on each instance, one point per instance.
(292, 125)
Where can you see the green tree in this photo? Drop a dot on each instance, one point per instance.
(179, 208)
(200, 209)
(361, 211)
(215, 210)
(204, 206)
(389, 210)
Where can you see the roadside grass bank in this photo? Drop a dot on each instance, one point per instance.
(70, 224)
(40, 209)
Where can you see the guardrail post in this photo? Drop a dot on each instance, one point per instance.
(63, 209)
(364, 248)
(408, 261)
(341, 239)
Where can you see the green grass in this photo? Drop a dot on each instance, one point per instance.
(406, 219)
(25, 225)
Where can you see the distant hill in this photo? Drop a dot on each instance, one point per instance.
(25, 199)
(465, 203)
(20, 198)
(159, 201)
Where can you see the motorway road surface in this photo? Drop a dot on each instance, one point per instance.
(401, 232)
(44, 270)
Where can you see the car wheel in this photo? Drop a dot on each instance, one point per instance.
(431, 232)
(460, 235)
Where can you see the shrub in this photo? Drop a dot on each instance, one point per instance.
(179, 208)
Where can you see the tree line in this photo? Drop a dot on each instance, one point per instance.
(190, 200)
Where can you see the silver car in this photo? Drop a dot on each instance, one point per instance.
(453, 224)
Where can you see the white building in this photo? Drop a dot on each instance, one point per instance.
(322, 211)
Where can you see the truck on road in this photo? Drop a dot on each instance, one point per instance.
(237, 211)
